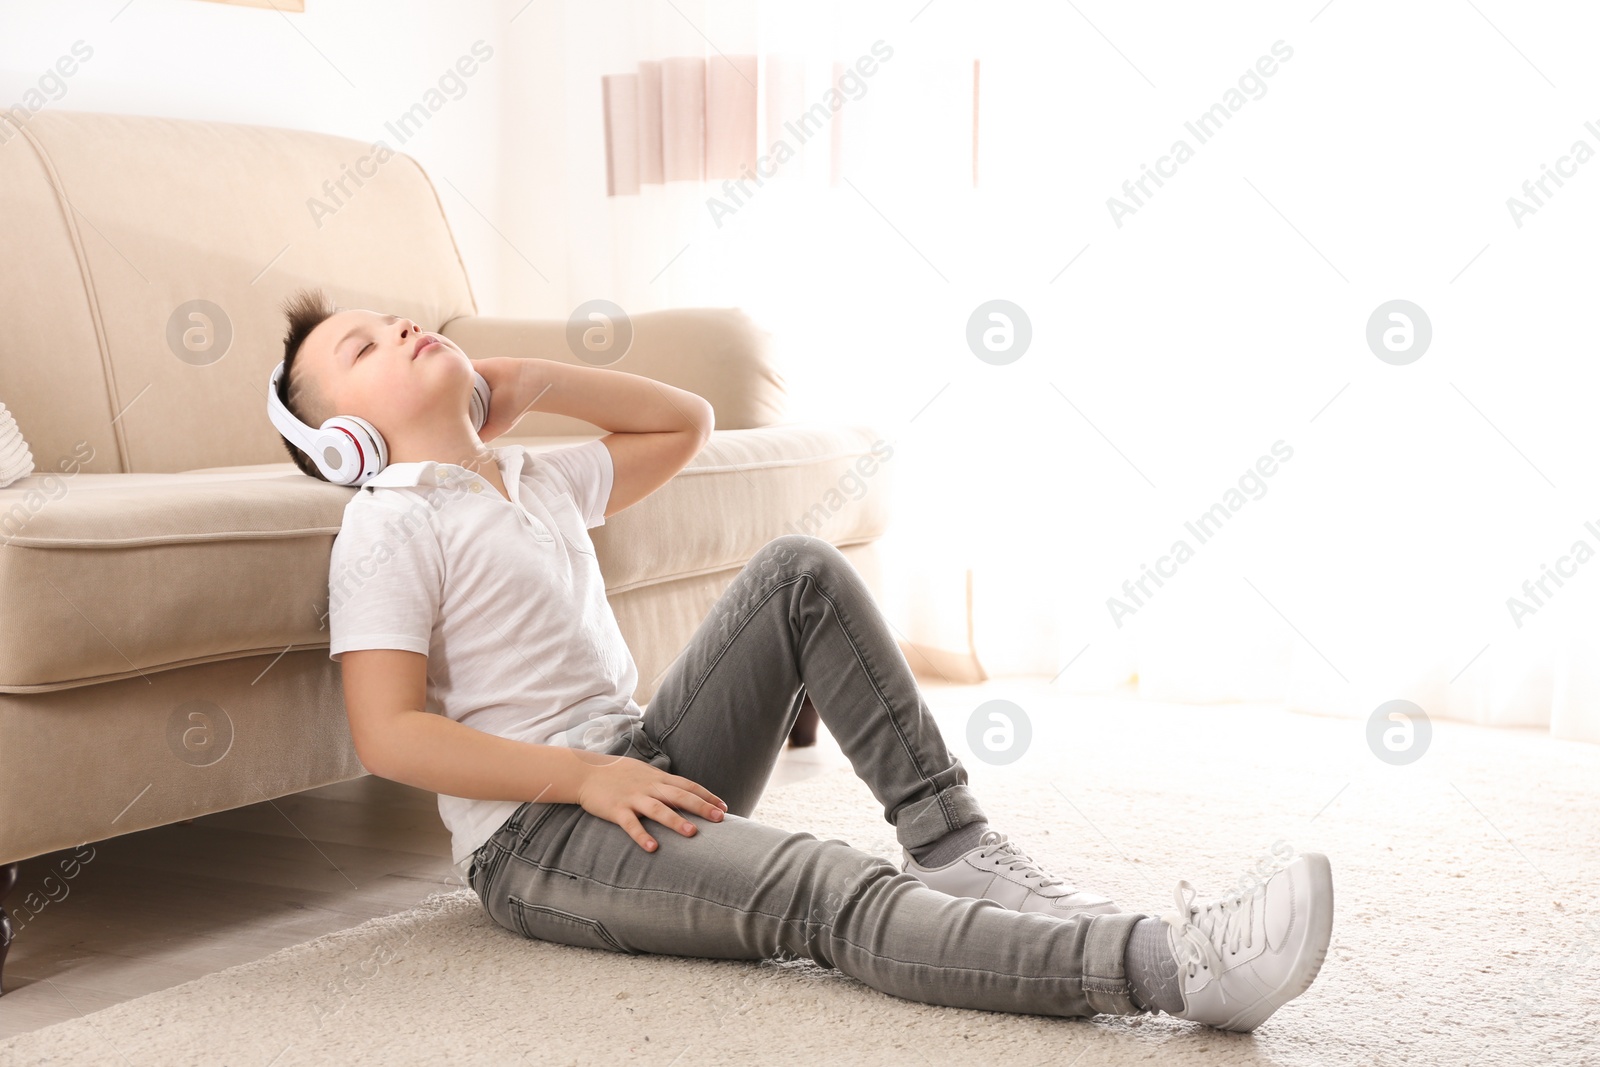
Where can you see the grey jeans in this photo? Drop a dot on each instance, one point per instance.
(798, 619)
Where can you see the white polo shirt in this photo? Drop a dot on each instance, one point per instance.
(504, 597)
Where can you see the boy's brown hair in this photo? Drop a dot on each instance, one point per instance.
(305, 309)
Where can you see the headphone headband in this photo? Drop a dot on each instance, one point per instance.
(347, 449)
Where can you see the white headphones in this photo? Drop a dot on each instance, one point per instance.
(347, 449)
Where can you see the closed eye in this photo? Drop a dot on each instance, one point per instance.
(364, 348)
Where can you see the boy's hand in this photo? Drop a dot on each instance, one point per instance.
(624, 789)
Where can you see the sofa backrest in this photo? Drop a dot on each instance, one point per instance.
(143, 259)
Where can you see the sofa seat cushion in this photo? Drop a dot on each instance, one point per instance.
(110, 576)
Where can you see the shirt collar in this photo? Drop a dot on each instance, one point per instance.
(428, 473)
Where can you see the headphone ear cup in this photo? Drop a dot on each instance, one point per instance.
(357, 446)
(480, 401)
(334, 453)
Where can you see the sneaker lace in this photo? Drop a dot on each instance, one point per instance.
(1205, 932)
(996, 843)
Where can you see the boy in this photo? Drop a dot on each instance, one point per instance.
(480, 659)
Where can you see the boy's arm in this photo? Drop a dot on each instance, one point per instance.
(656, 428)
(384, 697)
(509, 393)
(613, 400)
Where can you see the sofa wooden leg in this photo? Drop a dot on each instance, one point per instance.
(8, 882)
(804, 731)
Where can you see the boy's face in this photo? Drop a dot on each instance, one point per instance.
(382, 368)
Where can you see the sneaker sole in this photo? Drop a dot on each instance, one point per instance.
(1320, 874)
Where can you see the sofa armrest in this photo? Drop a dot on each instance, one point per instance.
(717, 353)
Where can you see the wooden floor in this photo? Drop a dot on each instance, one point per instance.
(160, 907)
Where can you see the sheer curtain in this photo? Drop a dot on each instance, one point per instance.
(1196, 371)
(769, 156)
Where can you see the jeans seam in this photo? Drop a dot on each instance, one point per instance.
(486, 871)
(786, 919)
(877, 691)
(705, 675)
(522, 836)
(943, 801)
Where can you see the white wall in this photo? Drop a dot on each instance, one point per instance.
(343, 68)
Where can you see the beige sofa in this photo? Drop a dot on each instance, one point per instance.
(163, 575)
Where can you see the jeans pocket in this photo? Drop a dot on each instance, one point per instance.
(542, 923)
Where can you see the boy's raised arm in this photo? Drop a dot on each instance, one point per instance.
(512, 390)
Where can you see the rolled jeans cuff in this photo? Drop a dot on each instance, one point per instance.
(1105, 979)
(925, 821)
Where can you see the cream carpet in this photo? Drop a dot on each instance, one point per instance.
(1466, 927)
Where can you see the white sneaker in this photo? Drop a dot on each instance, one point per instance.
(998, 870)
(1245, 956)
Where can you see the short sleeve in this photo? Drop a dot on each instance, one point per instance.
(586, 473)
(385, 576)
